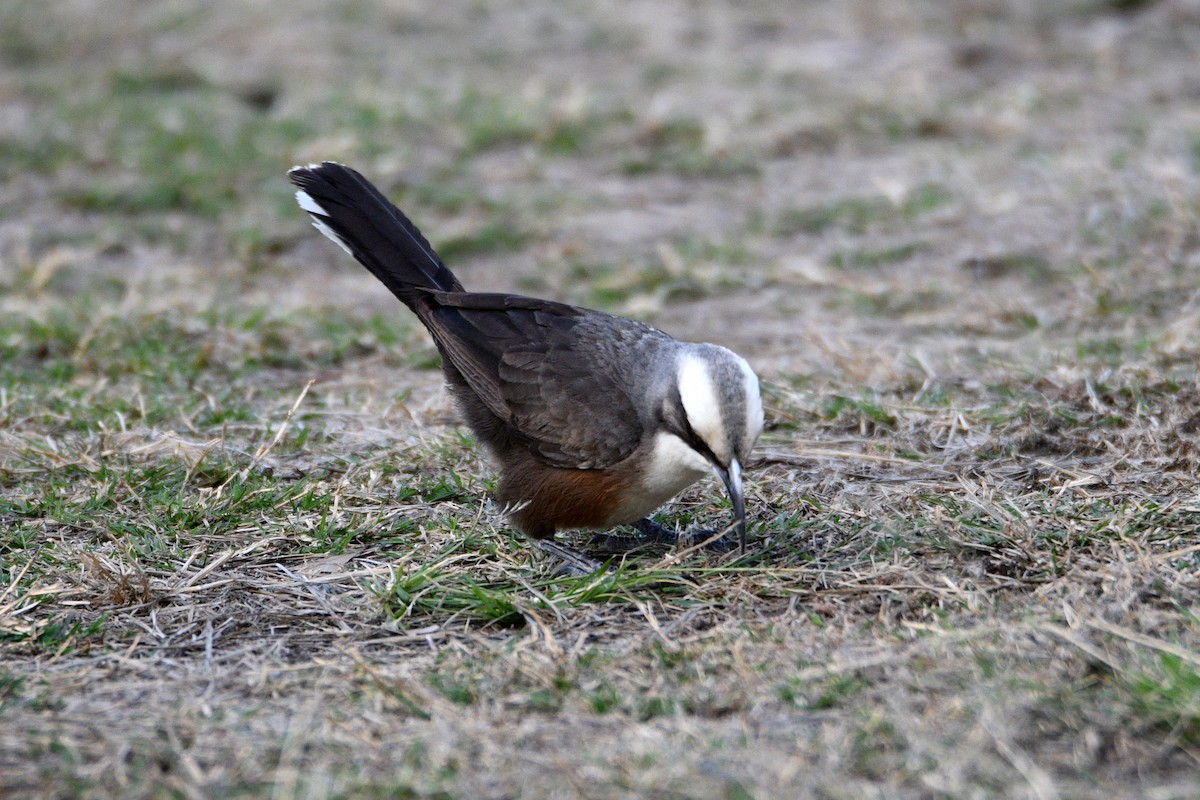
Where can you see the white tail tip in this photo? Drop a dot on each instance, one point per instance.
(319, 216)
(308, 204)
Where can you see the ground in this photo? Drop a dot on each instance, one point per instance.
(246, 548)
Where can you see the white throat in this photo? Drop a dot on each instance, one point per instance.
(672, 467)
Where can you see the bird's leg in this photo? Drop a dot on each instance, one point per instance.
(574, 563)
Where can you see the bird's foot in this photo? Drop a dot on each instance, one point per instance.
(574, 563)
(653, 534)
(715, 541)
(649, 534)
(711, 540)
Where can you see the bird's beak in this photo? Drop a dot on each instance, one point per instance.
(733, 484)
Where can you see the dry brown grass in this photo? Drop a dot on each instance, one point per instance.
(246, 550)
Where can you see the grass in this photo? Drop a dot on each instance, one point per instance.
(858, 214)
(247, 549)
(682, 146)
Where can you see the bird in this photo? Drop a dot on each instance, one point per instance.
(593, 420)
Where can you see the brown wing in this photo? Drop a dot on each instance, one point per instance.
(547, 370)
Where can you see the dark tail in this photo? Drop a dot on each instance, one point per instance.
(349, 210)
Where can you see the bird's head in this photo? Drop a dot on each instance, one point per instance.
(719, 415)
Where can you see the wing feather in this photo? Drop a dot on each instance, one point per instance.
(547, 370)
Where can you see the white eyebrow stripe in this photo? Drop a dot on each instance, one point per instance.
(701, 404)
